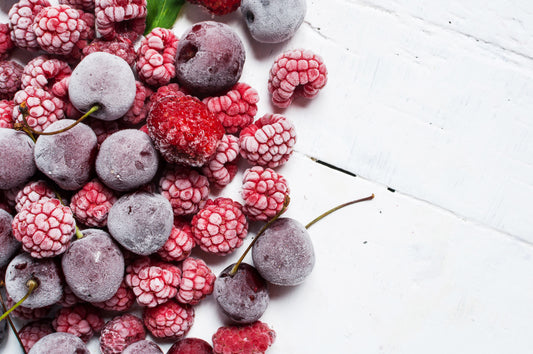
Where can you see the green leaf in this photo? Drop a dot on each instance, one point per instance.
(162, 13)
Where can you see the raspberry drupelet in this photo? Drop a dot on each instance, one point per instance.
(222, 167)
(264, 192)
(6, 44)
(296, 73)
(170, 320)
(81, 320)
(21, 17)
(120, 332)
(33, 331)
(45, 72)
(197, 281)
(120, 46)
(33, 192)
(185, 188)
(254, 338)
(91, 204)
(121, 301)
(139, 110)
(172, 89)
(10, 72)
(180, 243)
(43, 107)
(120, 18)
(6, 114)
(84, 5)
(157, 56)
(218, 7)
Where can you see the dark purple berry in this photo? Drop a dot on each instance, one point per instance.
(16, 158)
(59, 342)
(143, 347)
(191, 346)
(8, 244)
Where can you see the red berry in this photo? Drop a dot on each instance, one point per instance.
(21, 17)
(103, 128)
(184, 130)
(254, 338)
(81, 320)
(172, 89)
(180, 243)
(222, 166)
(197, 281)
(120, 46)
(121, 301)
(139, 110)
(91, 204)
(170, 320)
(85, 5)
(120, 332)
(43, 107)
(10, 72)
(68, 299)
(191, 346)
(45, 72)
(6, 114)
(157, 56)
(33, 331)
(218, 7)
(296, 72)
(33, 192)
(6, 44)
(120, 18)
(186, 189)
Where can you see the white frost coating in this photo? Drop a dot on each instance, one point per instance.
(69, 344)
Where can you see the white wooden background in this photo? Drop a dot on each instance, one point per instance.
(432, 99)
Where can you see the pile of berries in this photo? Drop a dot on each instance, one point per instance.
(101, 214)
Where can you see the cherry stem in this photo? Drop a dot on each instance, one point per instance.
(78, 233)
(236, 266)
(11, 324)
(32, 285)
(320, 217)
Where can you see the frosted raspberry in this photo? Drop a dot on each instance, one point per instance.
(68, 299)
(33, 192)
(172, 89)
(33, 331)
(21, 17)
(81, 320)
(120, 18)
(91, 204)
(157, 57)
(236, 109)
(27, 313)
(45, 228)
(139, 109)
(6, 44)
(222, 166)
(220, 227)
(43, 107)
(254, 338)
(45, 72)
(10, 73)
(185, 188)
(170, 320)
(6, 114)
(103, 129)
(268, 141)
(218, 7)
(180, 243)
(58, 29)
(120, 332)
(85, 5)
(296, 73)
(264, 192)
(121, 47)
(153, 283)
(197, 281)
(121, 301)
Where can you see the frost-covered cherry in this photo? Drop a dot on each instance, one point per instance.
(141, 222)
(67, 158)
(210, 58)
(143, 347)
(191, 345)
(93, 266)
(59, 342)
(16, 158)
(126, 160)
(105, 80)
(10, 245)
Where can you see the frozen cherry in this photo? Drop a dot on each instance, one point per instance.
(16, 158)
(59, 342)
(191, 346)
(10, 245)
(143, 347)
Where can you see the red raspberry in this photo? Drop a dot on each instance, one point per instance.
(21, 17)
(58, 29)
(120, 18)
(222, 166)
(296, 72)
(185, 188)
(121, 301)
(153, 283)
(33, 192)
(191, 346)
(218, 7)
(103, 129)
(43, 107)
(84, 5)
(45, 72)
(91, 204)
(197, 281)
(172, 89)
(268, 141)
(81, 320)
(264, 193)
(170, 320)
(68, 299)
(45, 228)
(10, 73)
(27, 313)
(139, 110)
(120, 46)
(6, 114)
(6, 44)
(33, 331)
(254, 338)
(220, 227)
(180, 243)
(236, 109)
(120, 332)
(157, 57)
(184, 130)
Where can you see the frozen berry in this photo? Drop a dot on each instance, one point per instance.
(16, 163)
(184, 130)
(6, 44)
(141, 222)
(126, 160)
(210, 58)
(10, 73)
(33, 331)
(45, 228)
(93, 266)
(264, 192)
(33, 192)
(220, 226)
(26, 313)
(45, 72)
(68, 344)
(120, 332)
(191, 346)
(81, 320)
(143, 347)
(222, 166)
(91, 204)
(172, 89)
(69, 298)
(218, 7)
(121, 301)
(85, 5)
(10, 245)
(139, 110)
(105, 80)
(21, 17)
(254, 338)
(296, 73)
(186, 189)
(42, 108)
(121, 47)
(103, 129)
(180, 243)
(169, 320)
(120, 18)
(67, 158)
(6, 114)
(196, 281)
(268, 141)
(157, 57)
(236, 108)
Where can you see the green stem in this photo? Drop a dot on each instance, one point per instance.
(320, 217)
(78, 233)
(32, 285)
